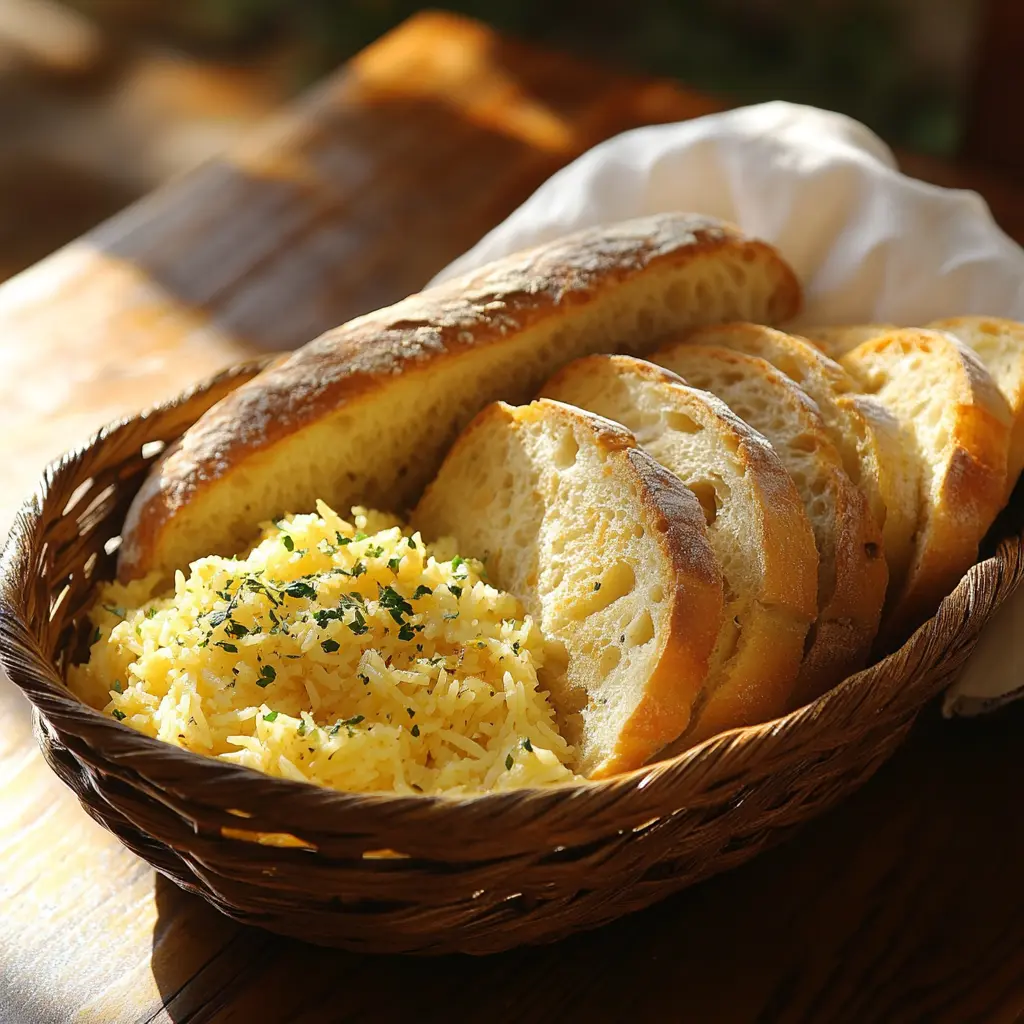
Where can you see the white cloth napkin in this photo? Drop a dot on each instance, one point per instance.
(868, 243)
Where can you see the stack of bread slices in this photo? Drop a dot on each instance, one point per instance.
(713, 520)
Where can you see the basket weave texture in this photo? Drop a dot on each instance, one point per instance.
(476, 875)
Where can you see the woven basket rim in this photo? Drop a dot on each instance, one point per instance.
(161, 763)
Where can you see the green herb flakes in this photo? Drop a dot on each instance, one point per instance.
(421, 591)
(509, 761)
(393, 564)
(230, 648)
(118, 714)
(527, 745)
(288, 543)
(406, 632)
(267, 675)
(270, 716)
(415, 730)
(330, 646)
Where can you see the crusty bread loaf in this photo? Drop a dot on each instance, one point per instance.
(1000, 346)
(852, 573)
(365, 413)
(756, 523)
(865, 433)
(959, 427)
(607, 550)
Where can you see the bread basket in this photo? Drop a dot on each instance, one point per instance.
(426, 875)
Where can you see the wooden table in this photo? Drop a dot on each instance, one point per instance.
(904, 904)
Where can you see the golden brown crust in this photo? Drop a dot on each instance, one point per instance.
(967, 475)
(854, 599)
(361, 360)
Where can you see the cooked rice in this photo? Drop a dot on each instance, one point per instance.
(326, 655)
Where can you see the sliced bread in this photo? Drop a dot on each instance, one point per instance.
(1000, 346)
(607, 550)
(852, 574)
(958, 426)
(755, 520)
(835, 342)
(865, 433)
(365, 414)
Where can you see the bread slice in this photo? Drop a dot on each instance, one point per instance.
(755, 520)
(364, 414)
(999, 344)
(958, 426)
(609, 553)
(835, 342)
(866, 435)
(852, 574)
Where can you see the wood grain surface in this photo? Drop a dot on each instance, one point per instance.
(906, 903)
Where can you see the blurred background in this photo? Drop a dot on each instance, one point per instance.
(102, 100)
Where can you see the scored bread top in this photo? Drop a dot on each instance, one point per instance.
(756, 523)
(365, 413)
(607, 550)
(866, 435)
(959, 426)
(851, 570)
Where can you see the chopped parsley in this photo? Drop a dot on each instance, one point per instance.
(597, 587)
(415, 730)
(457, 561)
(330, 646)
(236, 629)
(411, 543)
(515, 646)
(406, 632)
(364, 679)
(375, 551)
(270, 716)
(230, 648)
(150, 613)
(456, 591)
(527, 745)
(302, 727)
(449, 616)
(118, 714)
(421, 591)
(341, 538)
(410, 712)
(358, 624)
(287, 541)
(354, 720)
(509, 761)
(394, 603)
(117, 687)
(359, 535)
(394, 563)
(299, 589)
(267, 675)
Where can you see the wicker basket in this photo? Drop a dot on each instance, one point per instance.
(474, 875)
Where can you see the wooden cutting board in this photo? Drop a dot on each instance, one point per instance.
(904, 904)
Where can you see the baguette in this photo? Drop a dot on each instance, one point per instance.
(957, 425)
(608, 552)
(999, 344)
(852, 574)
(756, 524)
(364, 414)
(866, 435)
